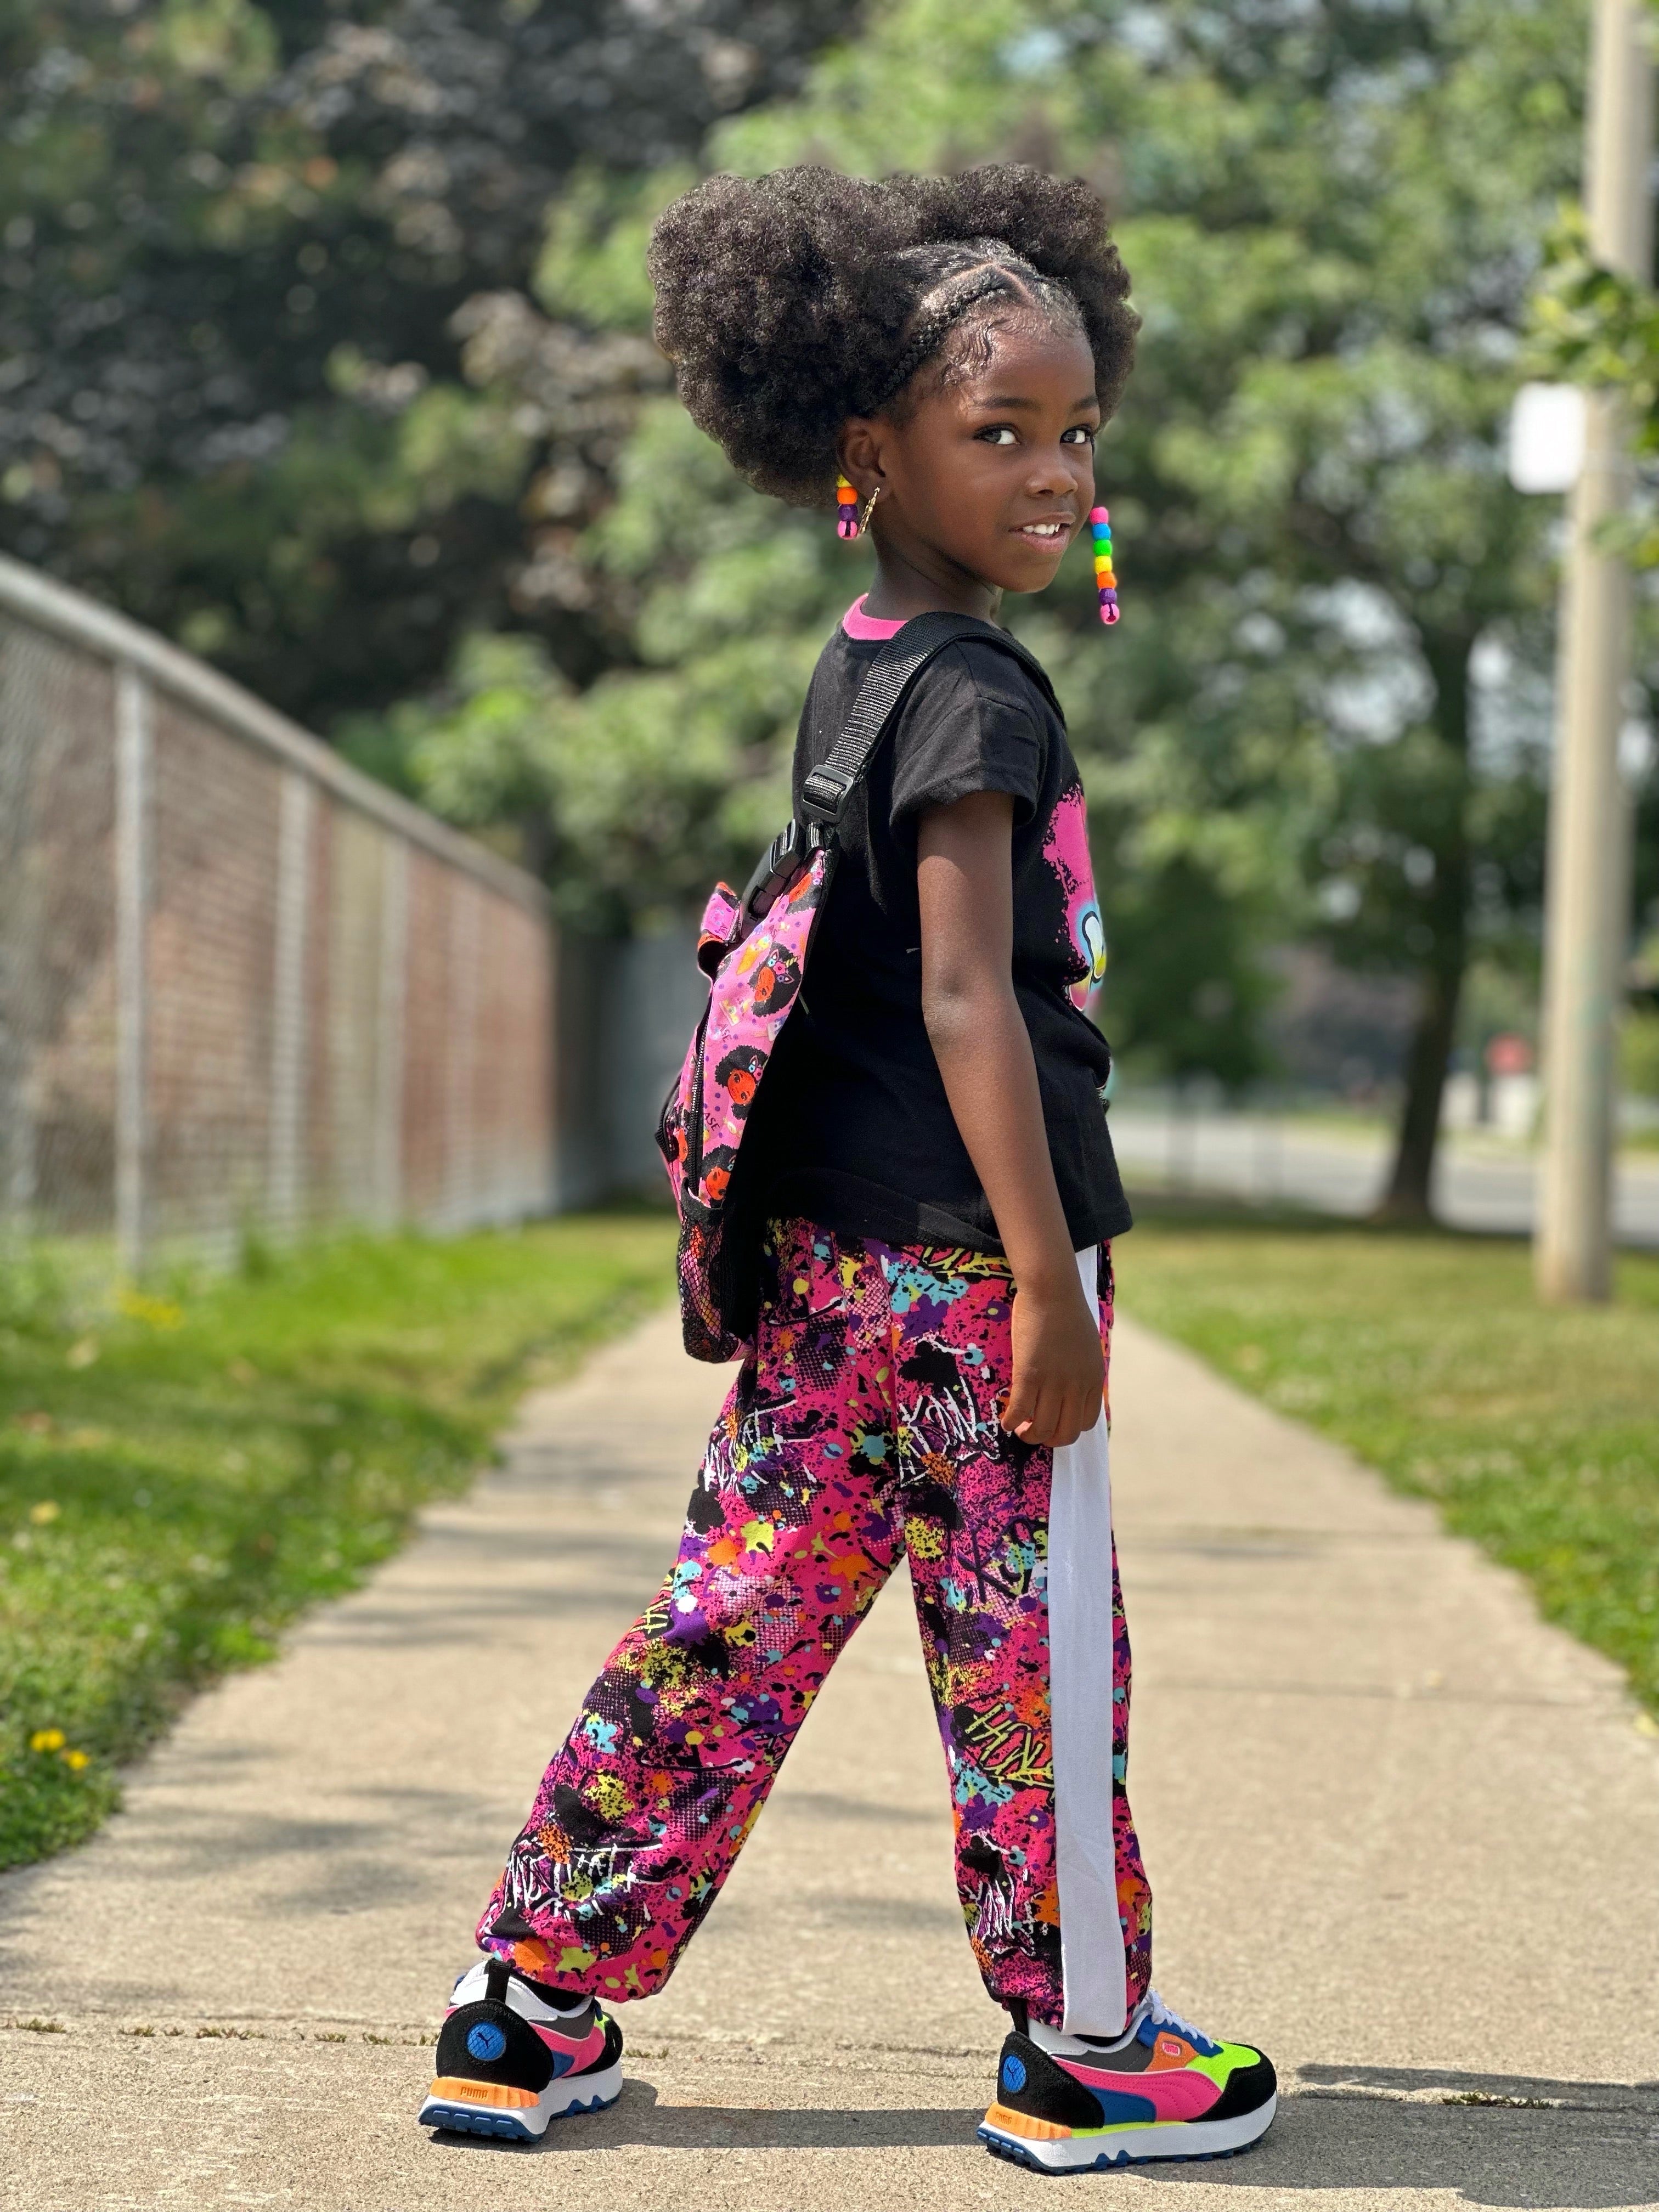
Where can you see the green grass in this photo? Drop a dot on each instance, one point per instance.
(180, 1475)
(1536, 1429)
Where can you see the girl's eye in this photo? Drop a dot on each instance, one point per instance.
(1081, 435)
(999, 435)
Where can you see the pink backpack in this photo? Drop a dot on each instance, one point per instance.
(754, 948)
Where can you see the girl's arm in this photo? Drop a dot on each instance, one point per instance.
(964, 878)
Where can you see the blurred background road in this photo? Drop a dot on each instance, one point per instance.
(1304, 1160)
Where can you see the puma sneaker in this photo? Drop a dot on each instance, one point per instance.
(1068, 2102)
(514, 2056)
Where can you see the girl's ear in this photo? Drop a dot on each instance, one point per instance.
(861, 454)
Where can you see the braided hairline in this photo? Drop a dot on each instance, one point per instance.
(930, 333)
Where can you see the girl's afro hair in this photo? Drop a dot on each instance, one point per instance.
(788, 302)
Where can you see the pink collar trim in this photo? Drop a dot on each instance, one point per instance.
(857, 623)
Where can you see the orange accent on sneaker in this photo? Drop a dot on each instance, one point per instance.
(455, 2090)
(1022, 2123)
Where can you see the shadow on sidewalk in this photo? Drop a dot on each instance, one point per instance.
(1503, 2139)
(639, 2122)
(1507, 2141)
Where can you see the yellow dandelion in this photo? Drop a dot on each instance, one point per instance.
(75, 1760)
(47, 1739)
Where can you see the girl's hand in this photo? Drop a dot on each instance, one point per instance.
(1059, 1373)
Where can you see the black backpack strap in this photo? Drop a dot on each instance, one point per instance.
(886, 681)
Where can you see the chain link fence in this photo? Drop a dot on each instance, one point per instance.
(242, 988)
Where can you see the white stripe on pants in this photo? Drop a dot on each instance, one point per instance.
(1080, 1694)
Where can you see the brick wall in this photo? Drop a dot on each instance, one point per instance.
(241, 986)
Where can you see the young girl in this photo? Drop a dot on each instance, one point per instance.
(935, 1190)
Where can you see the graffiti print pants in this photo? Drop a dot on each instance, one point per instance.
(863, 1429)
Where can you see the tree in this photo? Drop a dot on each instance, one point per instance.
(1353, 227)
(1318, 713)
(246, 249)
(1332, 213)
(632, 794)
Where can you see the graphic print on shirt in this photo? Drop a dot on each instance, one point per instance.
(1066, 848)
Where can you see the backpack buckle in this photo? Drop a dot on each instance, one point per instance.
(794, 843)
(826, 787)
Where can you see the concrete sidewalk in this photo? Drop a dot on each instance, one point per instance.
(1398, 1831)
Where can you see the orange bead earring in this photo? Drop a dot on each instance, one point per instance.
(849, 523)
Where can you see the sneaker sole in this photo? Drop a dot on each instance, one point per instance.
(1096, 2150)
(456, 2113)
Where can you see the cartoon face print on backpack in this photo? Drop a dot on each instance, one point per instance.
(773, 974)
(739, 1075)
(717, 1165)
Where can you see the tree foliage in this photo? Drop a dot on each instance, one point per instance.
(248, 251)
(1596, 326)
(440, 444)
(1322, 711)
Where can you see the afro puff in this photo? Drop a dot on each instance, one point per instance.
(788, 302)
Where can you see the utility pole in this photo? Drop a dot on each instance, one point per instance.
(1587, 884)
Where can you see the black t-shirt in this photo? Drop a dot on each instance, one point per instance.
(857, 1131)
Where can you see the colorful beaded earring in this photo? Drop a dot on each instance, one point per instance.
(849, 523)
(1100, 522)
